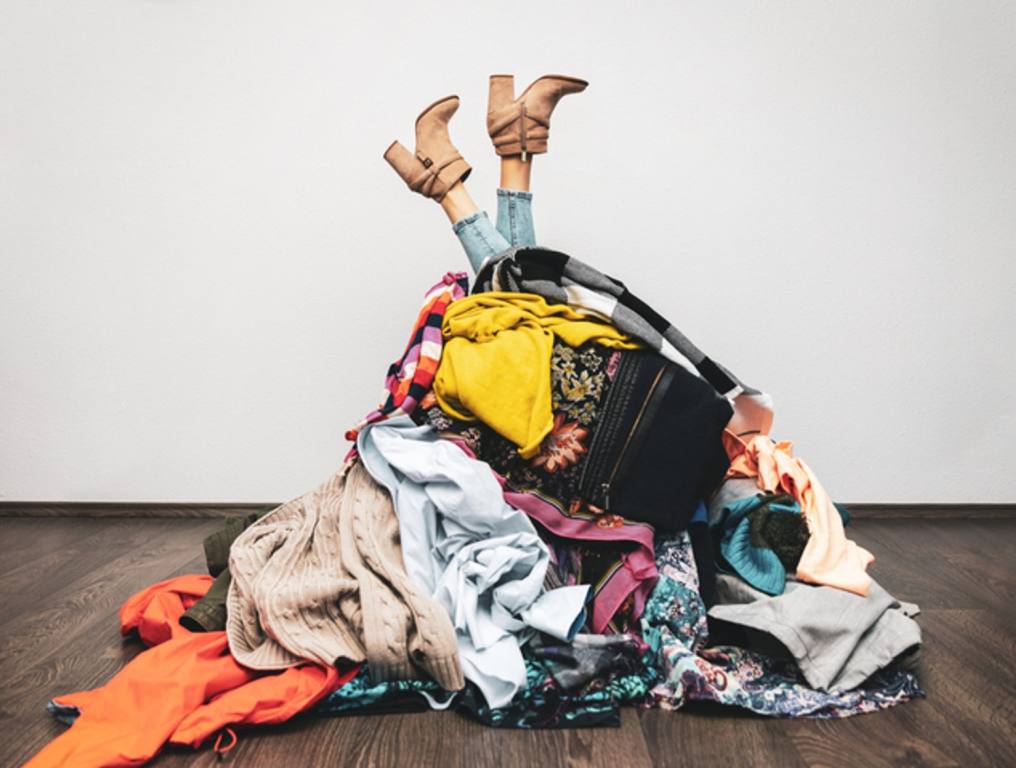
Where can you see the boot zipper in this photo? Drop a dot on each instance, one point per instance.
(522, 130)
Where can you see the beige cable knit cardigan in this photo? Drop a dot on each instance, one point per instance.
(321, 578)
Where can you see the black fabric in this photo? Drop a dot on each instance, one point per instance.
(705, 561)
(619, 435)
(589, 660)
(651, 446)
(658, 451)
(650, 315)
(549, 273)
(784, 533)
(715, 375)
(543, 265)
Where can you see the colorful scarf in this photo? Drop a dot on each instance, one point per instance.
(410, 377)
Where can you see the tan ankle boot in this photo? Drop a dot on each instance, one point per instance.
(437, 164)
(521, 126)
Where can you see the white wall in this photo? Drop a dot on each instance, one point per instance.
(206, 265)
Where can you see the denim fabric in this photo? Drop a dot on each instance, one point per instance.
(515, 216)
(481, 240)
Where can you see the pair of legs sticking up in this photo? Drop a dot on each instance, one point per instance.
(519, 128)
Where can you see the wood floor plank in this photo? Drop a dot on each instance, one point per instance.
(909, 735)
(967, 719)
(25, 540)
(63, 636)
(910, 561)
(72, 641)
(22, 588)
(976, 559)
(425, 739)
(703, 736)
(969, 670)
(84, 602)
(993, 538)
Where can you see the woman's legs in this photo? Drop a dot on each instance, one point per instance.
(479, 238)
(472, 226)
(458, 203)
(515, 201)
(519, 129)
(515, 174)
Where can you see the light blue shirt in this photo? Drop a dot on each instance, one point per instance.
(479, 557)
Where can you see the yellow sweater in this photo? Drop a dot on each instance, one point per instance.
(495, 365)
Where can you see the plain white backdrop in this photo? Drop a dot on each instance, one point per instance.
(206, 267)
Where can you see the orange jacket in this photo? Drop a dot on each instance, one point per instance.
(829, 557)
(182, 690)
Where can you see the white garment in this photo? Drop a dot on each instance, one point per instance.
(476, 555)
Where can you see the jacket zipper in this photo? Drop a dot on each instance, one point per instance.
(632, 433)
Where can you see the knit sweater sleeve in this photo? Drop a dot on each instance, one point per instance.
(384, 617)
(431, 641)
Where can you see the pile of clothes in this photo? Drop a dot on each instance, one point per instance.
(561, 506)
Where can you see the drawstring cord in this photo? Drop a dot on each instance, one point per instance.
(218, 749)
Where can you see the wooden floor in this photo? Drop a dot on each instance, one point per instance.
(62, 580)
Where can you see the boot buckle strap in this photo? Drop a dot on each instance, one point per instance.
(426, 181)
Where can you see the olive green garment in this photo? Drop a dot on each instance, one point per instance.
(209, 613)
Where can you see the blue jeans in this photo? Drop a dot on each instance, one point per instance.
(481, 240)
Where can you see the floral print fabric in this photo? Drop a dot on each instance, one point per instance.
(674, 626)
(588, 545)
(678, 667)
(580, 378)
(563, 446)
(541, 704)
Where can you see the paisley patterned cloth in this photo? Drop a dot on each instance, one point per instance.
(588, 546)
(677, 668)
(362, 696)
(580, 379)
(544, 705)
(541, 704)
(674, 626)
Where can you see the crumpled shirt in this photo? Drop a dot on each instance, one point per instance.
(475, 554)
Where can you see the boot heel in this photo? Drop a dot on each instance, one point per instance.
(502, 92)
(403, 161)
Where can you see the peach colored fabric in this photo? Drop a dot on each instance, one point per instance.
(829, 557)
